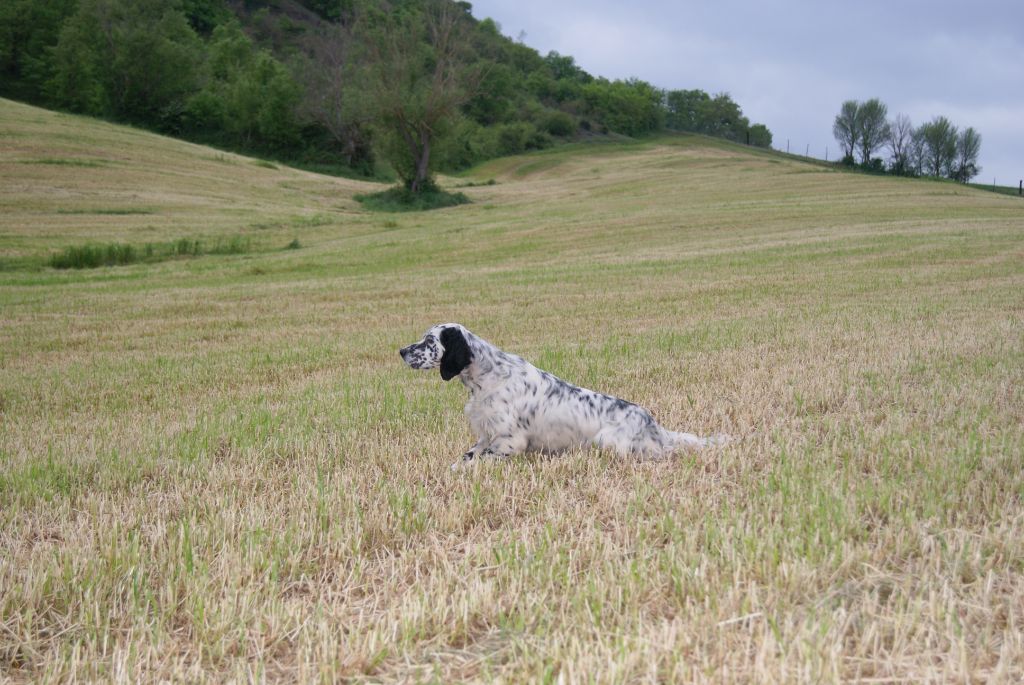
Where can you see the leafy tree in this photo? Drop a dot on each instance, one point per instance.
(415, 79)
(722, 117)
(248, 94)
(686, 109)
(495, 94)
(938, 138)
(760, 136)
(631, 107)
(846, 128)
(872, 128)
(695, 110)
(968, 147)
(132, 59)
(205, 15)
(333, 10)
(28, 31)
(565, 67)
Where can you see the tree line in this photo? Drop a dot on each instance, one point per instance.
(936, 148)
(334, 84)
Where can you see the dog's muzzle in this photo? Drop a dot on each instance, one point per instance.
(410, 356)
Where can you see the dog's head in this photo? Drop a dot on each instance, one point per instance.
(444, 346)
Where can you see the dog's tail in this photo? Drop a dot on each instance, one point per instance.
(691, 442)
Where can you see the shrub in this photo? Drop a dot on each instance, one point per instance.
(512, 138)
(401, 199)
(520, 137)
(558, 124)
(875, 166)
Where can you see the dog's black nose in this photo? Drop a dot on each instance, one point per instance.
(402, 352)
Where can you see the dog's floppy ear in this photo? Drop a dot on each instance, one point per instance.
(457, 355)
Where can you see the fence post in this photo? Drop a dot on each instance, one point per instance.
(1020, 188)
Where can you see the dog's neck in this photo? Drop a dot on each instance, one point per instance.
(489, 369)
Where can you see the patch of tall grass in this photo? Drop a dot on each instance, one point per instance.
(96, 255)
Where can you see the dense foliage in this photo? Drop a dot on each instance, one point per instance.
(936, 148)
(335, 83)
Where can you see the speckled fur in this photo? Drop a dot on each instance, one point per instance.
(515, 407)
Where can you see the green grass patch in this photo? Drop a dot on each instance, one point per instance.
(399, 199)
(96, 255)
(66, 161)
(313, 221)
(108, 211)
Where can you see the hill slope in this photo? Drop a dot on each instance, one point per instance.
(217, 466)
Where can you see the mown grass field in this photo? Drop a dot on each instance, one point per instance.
(215, 468)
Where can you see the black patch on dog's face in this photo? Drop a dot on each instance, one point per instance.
(457, 355)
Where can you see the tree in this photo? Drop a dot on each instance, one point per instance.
(899, 142)
(28, 31)
(685, 109)
(872, 128)
(494, 95)
(968, 147)
(916, 151)
(760, 136)
(330, 93)
(132, 59)
(565, 67)
(695, 110)
(631, 107)
(722, 117)
(416, 78)
(938, 139)
(846, 128)
(247, 94)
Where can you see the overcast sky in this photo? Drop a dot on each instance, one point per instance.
(790, 65)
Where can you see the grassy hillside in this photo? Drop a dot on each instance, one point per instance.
(216, 467)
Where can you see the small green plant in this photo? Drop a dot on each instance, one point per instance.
(183, 247)
(400, 199)
(293, 245)
(235, 245)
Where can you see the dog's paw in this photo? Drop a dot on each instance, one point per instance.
(463, 462)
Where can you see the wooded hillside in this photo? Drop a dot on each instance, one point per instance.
(302, 80)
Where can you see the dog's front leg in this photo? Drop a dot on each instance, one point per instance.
(471, 454)
(505, 446)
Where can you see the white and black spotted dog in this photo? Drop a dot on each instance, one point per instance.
(515, 407)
